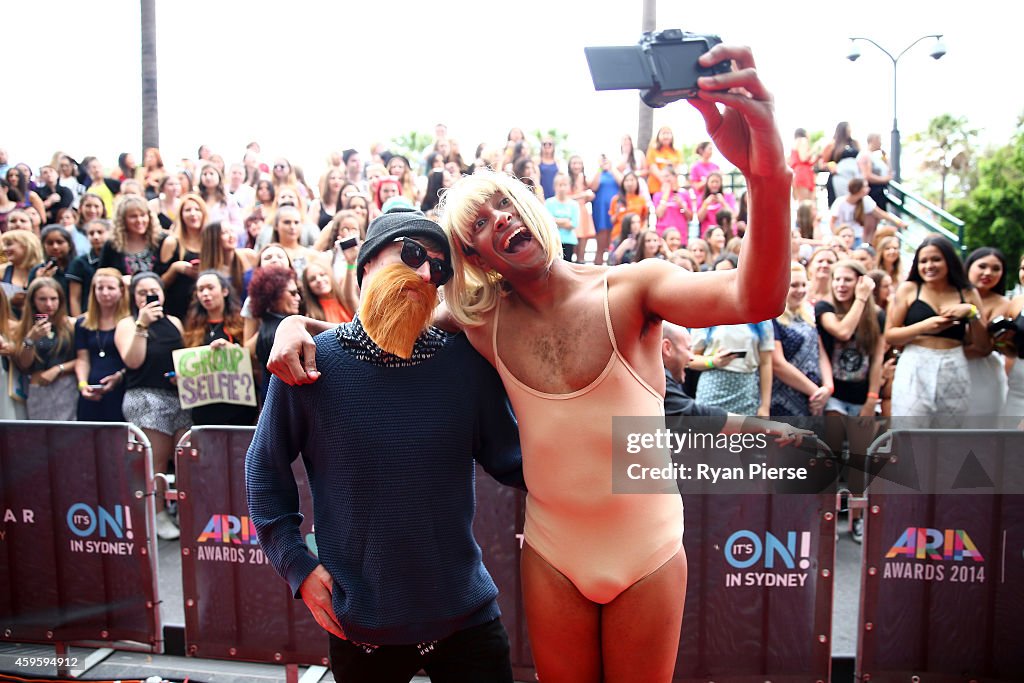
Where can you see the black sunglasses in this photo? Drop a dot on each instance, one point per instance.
(414, 254)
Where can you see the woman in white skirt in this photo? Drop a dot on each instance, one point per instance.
(934, 313)
(986, 270)
(1014, 406)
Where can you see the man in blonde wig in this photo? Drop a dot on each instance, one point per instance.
(604, 574)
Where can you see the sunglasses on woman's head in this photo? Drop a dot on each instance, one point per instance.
(414, 254)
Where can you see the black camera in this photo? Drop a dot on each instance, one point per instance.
(1000, 327)
(663, 65)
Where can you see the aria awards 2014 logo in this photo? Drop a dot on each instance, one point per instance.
(927, 554)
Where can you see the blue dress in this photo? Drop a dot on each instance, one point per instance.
(107, 409)
(607, 189)
(799, 342)
(547, 179)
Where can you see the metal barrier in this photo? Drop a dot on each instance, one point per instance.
(760, 579)
(942, 589)
(943, 584)
(79, 555)
(236, 605)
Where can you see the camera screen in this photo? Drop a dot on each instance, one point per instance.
(675, 64)
(618, 68)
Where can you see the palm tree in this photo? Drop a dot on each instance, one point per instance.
(645, 126)
(150, 119)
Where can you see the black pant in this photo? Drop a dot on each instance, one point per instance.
(567, 251)
(479, 654)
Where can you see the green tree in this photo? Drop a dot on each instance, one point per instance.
(994, 210)
(562, 149)
(947, 147)
(412, 145)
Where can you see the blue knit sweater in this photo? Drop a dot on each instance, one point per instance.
(390, 457)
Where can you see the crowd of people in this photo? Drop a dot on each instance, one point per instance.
(105, 274)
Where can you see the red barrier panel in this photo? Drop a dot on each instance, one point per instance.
(498, 527)
(759, 589)
(77, 561)
(236, 605)
(943, 587)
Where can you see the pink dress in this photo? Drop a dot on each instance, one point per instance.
(701, 170)
(711, 217)
(674, 216)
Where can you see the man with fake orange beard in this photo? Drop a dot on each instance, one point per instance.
(399, 583)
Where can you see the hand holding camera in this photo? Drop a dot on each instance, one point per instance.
(41, 328)
(672, 64)
(663, 65)
(348, 247)
(189, 268)
(152, 311)
(725, 356)
(1002, 328)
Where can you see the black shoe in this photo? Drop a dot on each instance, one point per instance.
(857, 531)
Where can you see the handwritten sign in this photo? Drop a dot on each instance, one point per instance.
(208, 375)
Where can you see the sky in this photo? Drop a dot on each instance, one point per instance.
(304, 78)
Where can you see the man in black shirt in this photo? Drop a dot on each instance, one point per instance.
(675, 354)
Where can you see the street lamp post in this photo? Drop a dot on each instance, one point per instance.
(938, 50)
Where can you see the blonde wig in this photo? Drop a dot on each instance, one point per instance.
(473, 291)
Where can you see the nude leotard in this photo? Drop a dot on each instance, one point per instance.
(603, 542)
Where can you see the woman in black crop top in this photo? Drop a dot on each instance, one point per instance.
(145, 341)
(986, 269)
(933, 314)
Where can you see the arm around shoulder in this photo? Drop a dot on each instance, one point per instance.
(497, 446)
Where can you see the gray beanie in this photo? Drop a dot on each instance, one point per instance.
(398, 222)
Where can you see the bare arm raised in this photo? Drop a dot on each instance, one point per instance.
(744, 131)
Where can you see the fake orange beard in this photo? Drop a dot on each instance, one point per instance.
(396, 306)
